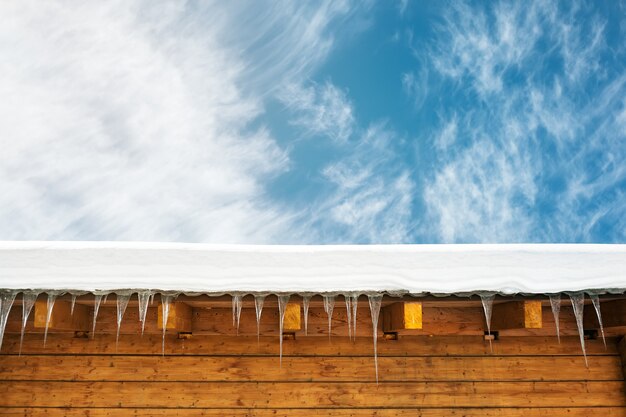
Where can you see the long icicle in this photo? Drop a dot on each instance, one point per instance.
(375, 302)
(306, 300)
(50, 305)
(555, 305)
(28, 301)
(259, 300)
(143, 298)
(578, 304)
(6, 301)
(329, 305)
(282, 306)
(348, 301)
(73, 304)
(122, 303)
(355, 304)
(237, 304)
(595, 300)
(487, 301)
(97, 300)
(165, 310)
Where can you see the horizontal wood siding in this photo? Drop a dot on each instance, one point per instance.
(451, 373)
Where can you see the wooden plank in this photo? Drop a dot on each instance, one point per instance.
(62, 317)
(310, 395)
(313, 346)
(179, 317)
(613, 315)
(402, 316)
(517, 315)
(293, 319)
(235, 368)
(332, 412)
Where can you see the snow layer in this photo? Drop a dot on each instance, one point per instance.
(415, 269)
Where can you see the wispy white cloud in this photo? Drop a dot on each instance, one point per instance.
(371, 197)
(415, 85)
(132, 120)
(320, 110)
(536, 125)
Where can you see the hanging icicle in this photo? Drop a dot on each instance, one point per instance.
(595, 300)
(259, 300)
(355, 304)
(329, 305)
(555, 304)
(306, 300)
(166, 300)
(237, 304)
(143, 298)
(97, 300)
(487, 301)
(578, 304)
(50, 305)
(375, 302)
(282, 306)
(6, 301)
(348, 301)
(73, 303)
(28, 301)
(122, 303)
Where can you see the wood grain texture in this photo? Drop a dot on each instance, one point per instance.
(307, 369)
(311, 395)
(333, 412)
(314, 346)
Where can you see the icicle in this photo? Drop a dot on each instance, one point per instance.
(306, 300)
(28, 301)
(578, 303)
(152, 298)
(97, 300)
(329, 305)
(282, 305)
(258, 307)
(122, 303)
(355, 304)
(237, 304)
(349, 314)
(165, 306)
(595, 300)
(375, 302)
(487, 301)
(73, 304)
(50, 305)
(555, 304)
(143, 297)
(6, 301)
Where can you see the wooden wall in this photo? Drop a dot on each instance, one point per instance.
(450, 372)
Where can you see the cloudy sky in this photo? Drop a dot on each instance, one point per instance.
(313, 122)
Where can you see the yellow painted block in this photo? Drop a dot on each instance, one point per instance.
(293, 318)
(532, 315)
(412, 315)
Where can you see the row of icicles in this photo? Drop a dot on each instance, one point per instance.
(351, 301)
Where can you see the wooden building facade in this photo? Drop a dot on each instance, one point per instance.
(434, 359)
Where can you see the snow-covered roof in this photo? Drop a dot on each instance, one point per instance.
(415, 269)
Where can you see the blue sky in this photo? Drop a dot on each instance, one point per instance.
(313, 122)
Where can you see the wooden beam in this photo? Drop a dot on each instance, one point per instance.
(293, 318)
(517, 315)
(613, 315)
(402, 316)
(61, 318)
(179, 317)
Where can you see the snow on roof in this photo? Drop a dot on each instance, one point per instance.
(415, 269)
